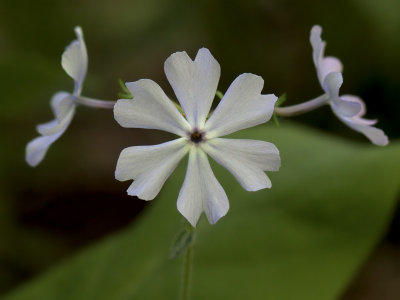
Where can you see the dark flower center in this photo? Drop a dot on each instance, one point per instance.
(196, 137)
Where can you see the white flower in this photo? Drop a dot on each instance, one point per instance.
(74, 61)
(195, 83)
(349, 109)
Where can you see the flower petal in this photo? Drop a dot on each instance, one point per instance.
(351, 98)
(364, 126)
(324, 65)
(375, 135)
(64, 109)
(201, 191)
(246, 160)
(333, 82)
(194, 83)
(150, 108)
(317, 44)
(328, 65)
(242, 106)
(56, 100)
(37, 148)
(149, 166)
(75, 60)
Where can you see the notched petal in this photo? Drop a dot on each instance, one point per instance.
(201, 191)
(194, 83)
(149, 167)
(242, 107)
(246, 160)
(150, 108)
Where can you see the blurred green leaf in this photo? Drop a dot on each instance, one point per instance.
(303, 239)
(183, 240)
(25, 85)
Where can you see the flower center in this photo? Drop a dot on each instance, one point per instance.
(196, 136)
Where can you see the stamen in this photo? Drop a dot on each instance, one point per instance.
(196, 137)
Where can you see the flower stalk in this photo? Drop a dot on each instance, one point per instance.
(298, 109)
(95, 103)
(288, 111)
(187, 270)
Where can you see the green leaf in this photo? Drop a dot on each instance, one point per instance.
(219, 94)
(282, 98)
(41, 80)
(303, 239)
(125, 93)
(279, 102)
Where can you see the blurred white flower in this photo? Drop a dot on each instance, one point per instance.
(74, 61)
(195, 83)
(349, 109)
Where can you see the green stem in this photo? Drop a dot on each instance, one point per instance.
(187, 269)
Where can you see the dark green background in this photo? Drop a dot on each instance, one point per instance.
(71, 200)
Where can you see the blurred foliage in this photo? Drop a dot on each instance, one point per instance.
(72, 199)
(310, 232)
